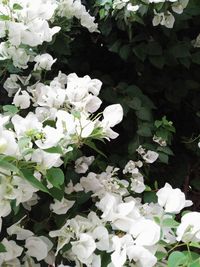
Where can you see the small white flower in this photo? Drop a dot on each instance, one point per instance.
(44, 62)
(82, 164)
(22, 100)
(141, 233)
(189, 228)
(84, 247)
(112, 115)
(21, 233)
(132, 8)
(150, 156)
(36, 247)
(12, 250)
(61, 207)
(173, 200)
(142, 256)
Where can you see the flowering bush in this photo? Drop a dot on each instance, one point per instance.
(63, 202)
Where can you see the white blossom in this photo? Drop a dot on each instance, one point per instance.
(189, 228)
(173, 200)
(44, 62)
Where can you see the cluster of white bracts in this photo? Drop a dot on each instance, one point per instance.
(25, 24)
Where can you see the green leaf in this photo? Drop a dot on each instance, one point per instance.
(195, 244)
(124, 52)
(115, 47)
(157, 61)
(157, 220)
(176, 259)
(135, 103)
(169, 222)
(28, 175)
(144, 130)
(154, 49)
(55, 176)
(55, 149)
(196, 58)
(144, 114)
(17, 6)
(2, 248)
(180, 50)
(166, 150)
(160, 255)
(10, 109)
(14, 207)
(57, 193)
(150, 197)
(4, 17)
(4, 164)
(158, 123)
(163, 157)
(140, 51)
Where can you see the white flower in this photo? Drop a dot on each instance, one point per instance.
(31, 202)
(189, 228)
(112, 115)
(65, 122)
(108, 205)
(132, 8)
(21, 233)
(36, 247)
(43, 62)
(82, 164)
(46, 160)
(5, 208)
(19, 56)
(61, 207)
(11, 84)
(119, 4)
(51, 137)
(15, 30)
(141, 233)
(120, 246)
(84, 247)
(101, 237)
(141, 255)
(12, 250)
(137, 183)
(125, 215)
(173, 200)
(159, 140)
(23, 190)
(132, 167)
(8, 144)
(22, 100)
(178, 7)
(26, 126)
(166, 19)
(156, 1)
(150, 156)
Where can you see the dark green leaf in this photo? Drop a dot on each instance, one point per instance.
(17, 6)
(28, 175)
(2, 248)
(55, 176)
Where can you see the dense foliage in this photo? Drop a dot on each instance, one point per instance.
(73, 192)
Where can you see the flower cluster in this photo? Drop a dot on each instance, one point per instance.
(55, 208)
(62, 119)
(162, 10)
(120, 226)
(26, 24)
